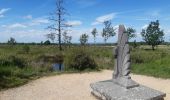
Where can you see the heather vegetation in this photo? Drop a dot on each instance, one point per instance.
(18, 64)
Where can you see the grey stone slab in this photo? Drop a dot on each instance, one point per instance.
(108, 90)
(125, 82)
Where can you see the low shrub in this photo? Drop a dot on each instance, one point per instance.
(26, 49)
(16, 61)
(80, 60)
(13, 61)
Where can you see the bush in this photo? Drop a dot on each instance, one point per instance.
(13, 61)
(19, 62)
(26, 49)
(47, 42)
(80, 60)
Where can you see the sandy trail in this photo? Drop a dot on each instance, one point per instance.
(74, 87)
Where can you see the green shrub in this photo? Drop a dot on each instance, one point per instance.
(13, 61)
(26, 49)
(80, 60)
(4, 62)
(16, 61)
(47, 42)
(5, 71)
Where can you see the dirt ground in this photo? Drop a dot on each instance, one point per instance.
(74, 87)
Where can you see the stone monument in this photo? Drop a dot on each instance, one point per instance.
(121, 86)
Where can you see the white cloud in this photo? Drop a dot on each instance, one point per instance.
(116, 27)
(101, 19)
(168, 31)
(2, 11)
(17, 25)
(39, 21)
(28, 17)
(74, 23)
(26, 35)
(95, 23)
(13, 26)
(145, 26)
(1, 16)
(144, 19)
(33, 22)
(3, 26)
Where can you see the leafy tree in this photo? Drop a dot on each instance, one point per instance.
(108, 31)
(59, 22)
(153, 35)
(94, 33)
(131, 33)
(84, 39)
(135, 45)
(12, 41)
(66, 39)
(47, 42)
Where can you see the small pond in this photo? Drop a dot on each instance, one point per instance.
(58, 67)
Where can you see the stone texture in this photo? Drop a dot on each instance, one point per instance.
(122, 61)
(108, 90)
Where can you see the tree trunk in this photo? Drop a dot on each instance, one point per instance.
(94, 41)
(153, 47)
(59, 30)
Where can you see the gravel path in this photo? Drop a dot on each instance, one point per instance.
(73, 87)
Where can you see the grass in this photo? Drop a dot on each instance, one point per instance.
(152, 63)
(17, 66)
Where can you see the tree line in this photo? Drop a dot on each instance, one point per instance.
(152, 35)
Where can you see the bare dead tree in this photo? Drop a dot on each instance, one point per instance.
(67, 39)
(58, 20)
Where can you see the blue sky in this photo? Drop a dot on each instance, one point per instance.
(27, 20)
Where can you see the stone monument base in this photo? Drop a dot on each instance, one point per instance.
(108, 90)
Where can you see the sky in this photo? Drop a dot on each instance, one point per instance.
(27, 20)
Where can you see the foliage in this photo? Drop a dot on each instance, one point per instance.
(12, 41)
(26, 49)
(130, 32)
(13, 61)
(94, 33)
(108, 31)
(150, 63)
(18, 68)
(84, 39)
(47, 42)
(153, 35)
(80, 60)
(135, 44)
(66, 39)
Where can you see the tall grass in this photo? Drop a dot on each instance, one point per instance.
(18, 65)
(152, 63)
